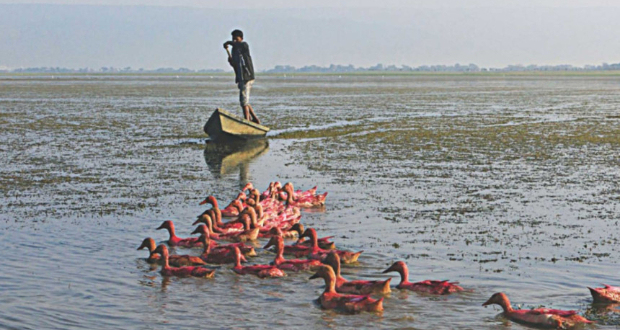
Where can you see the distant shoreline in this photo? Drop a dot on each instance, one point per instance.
(292, 74)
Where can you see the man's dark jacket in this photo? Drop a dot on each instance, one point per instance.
(242, 62)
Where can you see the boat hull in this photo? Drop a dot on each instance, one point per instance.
(223, 125)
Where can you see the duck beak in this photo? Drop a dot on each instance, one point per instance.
(203, 202)
(196, 222)
(267, 246)
(195, 231)
(141, 247)
(160, 227)
(488, 302)
(316, 275)
(387, 270)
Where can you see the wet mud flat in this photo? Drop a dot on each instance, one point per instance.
(501, 183)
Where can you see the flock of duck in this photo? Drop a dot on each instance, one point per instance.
(275, 214)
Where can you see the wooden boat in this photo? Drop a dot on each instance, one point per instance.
(223, 125)
(226, 158)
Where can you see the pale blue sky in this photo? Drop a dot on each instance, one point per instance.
(151, 34)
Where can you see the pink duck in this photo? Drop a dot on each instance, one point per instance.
(214, 212)
(218, 255)
(541, 317)
(248, 233)
(330, 299)
(236, 206)
(292, 265)
(174, 240)
(324, 242)
(174, 260)
(304, 202)
(245, 249)
(297, 194)
(432, 287)
(358, 286)
(186, 271)
(261, 271)
(607, 294)
(275, 231)
(317, 253)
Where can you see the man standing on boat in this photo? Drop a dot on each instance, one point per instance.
(241, 61)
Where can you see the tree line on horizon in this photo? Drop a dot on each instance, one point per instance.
(332, 68)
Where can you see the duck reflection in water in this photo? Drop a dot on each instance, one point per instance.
(225, 158)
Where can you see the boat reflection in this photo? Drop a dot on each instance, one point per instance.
(226, 158)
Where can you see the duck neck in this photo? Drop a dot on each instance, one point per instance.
(217, 216)
(172, 232)
(238, 259)
(207, 247)
(330, 284)
(166, 264)
(289, 197)
(404, 275)
(505, 303)
(336, 267)
(315, 240)
(279, 254)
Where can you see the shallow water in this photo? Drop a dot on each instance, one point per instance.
(501, 183)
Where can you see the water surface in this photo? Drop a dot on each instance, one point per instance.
(501, 183)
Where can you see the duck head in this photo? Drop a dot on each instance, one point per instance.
(202, 219)
(333, 260)
(201, 229)
(240, 197)
(211, 200)
(275, 241)
(238, 204)
(163, 250)
(148, 243)
(501, 299)
(311, 234)
(168, 224)
(327, 273)
(401, 268)
(299, 228)
(248, 186)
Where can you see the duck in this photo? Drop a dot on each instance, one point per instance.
(233, 209)
(262, 271)
(324, 242)
(315, 252)
(542, 317)
(214, 212)
(221, 255)
(330, 299)
(295, 265)
(248, 234)
(305, 201)
(607, 294)
(174, 260)
(234, 226)
(247, 250)
(301, 194)
(275, 231)
(358, 286)
(187, 271)
(174, 240)
(428, 286)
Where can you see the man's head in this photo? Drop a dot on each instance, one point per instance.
(237, 35)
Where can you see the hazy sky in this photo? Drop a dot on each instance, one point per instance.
(152, 34)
